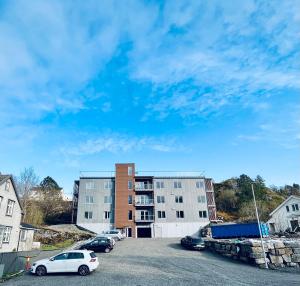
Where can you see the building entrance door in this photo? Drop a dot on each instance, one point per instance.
(144, 232)
(128, 232)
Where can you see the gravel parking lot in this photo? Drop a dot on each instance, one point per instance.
(164, 262)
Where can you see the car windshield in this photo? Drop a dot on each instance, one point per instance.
(197, 239)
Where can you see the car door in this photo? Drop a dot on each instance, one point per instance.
(94, 245)
(102, 244)
(75, 259)
(58, 263)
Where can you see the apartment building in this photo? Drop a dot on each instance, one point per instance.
(144, 206)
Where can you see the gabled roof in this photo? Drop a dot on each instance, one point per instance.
(284, 202)
(27, 226)
(3, 179)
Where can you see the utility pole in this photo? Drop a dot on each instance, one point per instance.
(259, 227)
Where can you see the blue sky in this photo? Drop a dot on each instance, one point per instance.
(207, 86)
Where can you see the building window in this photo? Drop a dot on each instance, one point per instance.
(160, 199)
(129, 170)
(130, 215)
(23, 234)
(130, 199)
(6, 234)
(287, 208)
(107, 199)
(108, 185)
(10, 207)
(200, 185)
(201, 199)
(295, 207)
(129, 185)
(160, 185)
(75, 255)
(7, 186)
(90, 185)
(161, 214)
(203, 214)
(177, 185)
(89, 199)
(1, 200)
(106, 215)
(88, 215)
(178, 199)
(179, 214)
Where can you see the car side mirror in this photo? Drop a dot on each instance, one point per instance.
(51, 259)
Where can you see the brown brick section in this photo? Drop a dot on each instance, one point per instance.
(121, 197)
(210, 198)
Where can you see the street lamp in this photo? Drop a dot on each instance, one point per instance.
(259, 227)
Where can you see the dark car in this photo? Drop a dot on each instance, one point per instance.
(190, 242)
(99, 244)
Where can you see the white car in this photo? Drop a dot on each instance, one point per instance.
(81, 261)
(115, 234)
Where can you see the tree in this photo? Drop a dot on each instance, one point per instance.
(48, 184)
(25, 184)
(227, 200)
(244, 185)
(260, 188)
(51, 201)
(247, 211)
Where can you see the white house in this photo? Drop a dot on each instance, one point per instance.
(13, 235)
(286, 215)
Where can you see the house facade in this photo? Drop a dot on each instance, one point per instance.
(144, 206)
(13, 236)
(286, 215)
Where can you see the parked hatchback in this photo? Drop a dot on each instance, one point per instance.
(99, 244)
(81, 261)
(190, 242)
(115, 234)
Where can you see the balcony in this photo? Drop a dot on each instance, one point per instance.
(143, 202)
(144, 218)
(143, 187)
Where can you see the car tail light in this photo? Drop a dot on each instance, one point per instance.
(93, 260)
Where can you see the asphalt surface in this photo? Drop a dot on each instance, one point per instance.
(163, 262)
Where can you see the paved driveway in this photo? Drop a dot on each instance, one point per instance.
(164, 262)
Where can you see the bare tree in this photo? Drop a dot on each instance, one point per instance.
(25, 184)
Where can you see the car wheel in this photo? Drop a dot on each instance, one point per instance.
(41, 271)
(83, 270)
(106, 250)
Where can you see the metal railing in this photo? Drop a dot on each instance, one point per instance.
(144, 218)
(144, 202)
(145, 187)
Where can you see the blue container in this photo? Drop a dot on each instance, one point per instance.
(239, 230)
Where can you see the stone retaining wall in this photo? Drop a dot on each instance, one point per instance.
(279, 253)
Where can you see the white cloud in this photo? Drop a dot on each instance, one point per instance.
(106, 107)
(276, 130)
(118, 143)
(51, 50)
(208, 44)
